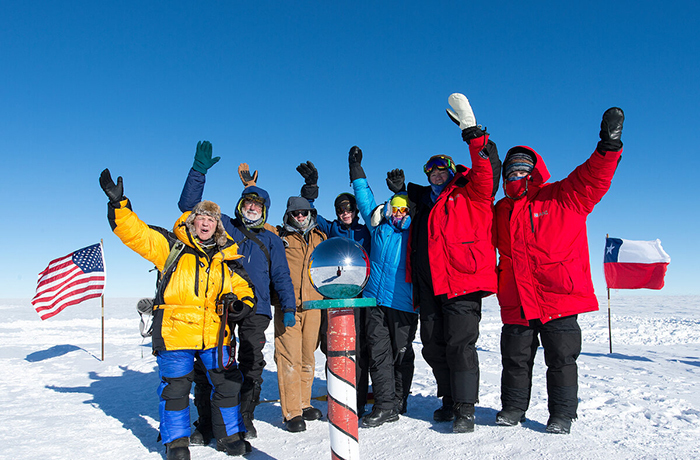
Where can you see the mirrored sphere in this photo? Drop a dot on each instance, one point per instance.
(339, 268)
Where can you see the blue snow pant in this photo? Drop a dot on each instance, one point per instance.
(176, 369)
(561, 340)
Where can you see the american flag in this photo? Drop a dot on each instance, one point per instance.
(70, 280)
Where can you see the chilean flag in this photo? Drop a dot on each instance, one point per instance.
(631, 264)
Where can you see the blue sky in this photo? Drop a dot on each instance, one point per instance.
(134, 85)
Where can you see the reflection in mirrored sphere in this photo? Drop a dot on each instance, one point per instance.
(339, 268)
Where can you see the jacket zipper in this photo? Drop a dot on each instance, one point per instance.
(532, 222)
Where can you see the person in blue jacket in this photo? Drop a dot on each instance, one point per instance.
(346, 225)
(391, 325)
(265, 261)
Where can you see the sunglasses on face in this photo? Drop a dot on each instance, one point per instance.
(440, 163)
(304, 212)
(401, 209)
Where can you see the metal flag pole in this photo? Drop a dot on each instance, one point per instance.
(609, 323)
(609, 320)
(102, 299)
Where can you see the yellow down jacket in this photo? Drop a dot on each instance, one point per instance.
(185, 316)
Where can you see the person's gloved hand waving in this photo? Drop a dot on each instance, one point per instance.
(115, 192)
(310, 174)
(202, 157)
(355, 164)
(463, 115)
(246, 177)
(611, 130)
(396, 181)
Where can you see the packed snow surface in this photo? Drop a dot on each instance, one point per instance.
(59, 400)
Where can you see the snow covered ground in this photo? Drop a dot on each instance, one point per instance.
(58, 400)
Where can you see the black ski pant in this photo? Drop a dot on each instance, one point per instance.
(561, 340)
(449, 329)
(390, 335)
(361, 353)
(251, 362)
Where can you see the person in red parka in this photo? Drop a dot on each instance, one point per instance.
(452, 264)
(544, 273)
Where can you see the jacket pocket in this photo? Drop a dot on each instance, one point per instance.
(461, 256)
(182, 327)
(555, 277)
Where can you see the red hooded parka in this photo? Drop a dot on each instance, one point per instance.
(544, 268)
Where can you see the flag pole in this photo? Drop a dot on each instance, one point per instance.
(607, 235)
(102, 298)
(609, 323)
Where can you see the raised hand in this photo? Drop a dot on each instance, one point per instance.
(395, 180)
(611, 130)
(115, 192)
(461, 113)
(309, 172)
(246, 177)
(202, 157)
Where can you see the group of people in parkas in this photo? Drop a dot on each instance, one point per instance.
(433, 257)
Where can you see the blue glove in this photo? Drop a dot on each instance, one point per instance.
(202, 157)
(289, 319)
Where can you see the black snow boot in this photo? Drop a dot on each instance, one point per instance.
(311, 413)
(379, 417)
(464, 418)
(233, 445)
(510, 416)
(446, 412)
(178, 449)
(295, 424)
(559, 424)
(248, 422)
(202, 434)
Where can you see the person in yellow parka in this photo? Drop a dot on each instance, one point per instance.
(197, 292)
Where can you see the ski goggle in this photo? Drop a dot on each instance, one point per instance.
(440, 163)
(300, 212)
(401, 209)
(345, 206)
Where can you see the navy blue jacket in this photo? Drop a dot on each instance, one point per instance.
(356, 231)
(264, 275)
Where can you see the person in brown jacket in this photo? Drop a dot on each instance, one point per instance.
(297, 334)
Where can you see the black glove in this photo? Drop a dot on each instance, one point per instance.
(237, 310)
(355, 163)
(309, 172)
(396, 181)
(469, 134)
(611, 130)
(115, 192)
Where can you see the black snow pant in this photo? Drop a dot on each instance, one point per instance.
(361, 353)
(449, 329)
(390, 335)
(251, 362)
(561, 340)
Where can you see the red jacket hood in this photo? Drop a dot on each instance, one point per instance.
(539, 174)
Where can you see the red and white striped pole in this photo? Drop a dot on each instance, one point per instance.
(342, 386)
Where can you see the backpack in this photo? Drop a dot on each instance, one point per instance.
(145, 306)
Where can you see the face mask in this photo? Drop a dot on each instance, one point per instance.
(516, 189)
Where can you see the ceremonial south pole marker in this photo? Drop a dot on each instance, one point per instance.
(339, 269)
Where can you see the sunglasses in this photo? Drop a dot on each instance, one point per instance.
(402, 209)
(303, 212)
(440, 163)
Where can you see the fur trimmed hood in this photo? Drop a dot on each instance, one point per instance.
(211, 209)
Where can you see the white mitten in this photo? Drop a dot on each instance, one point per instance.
(462, 113)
